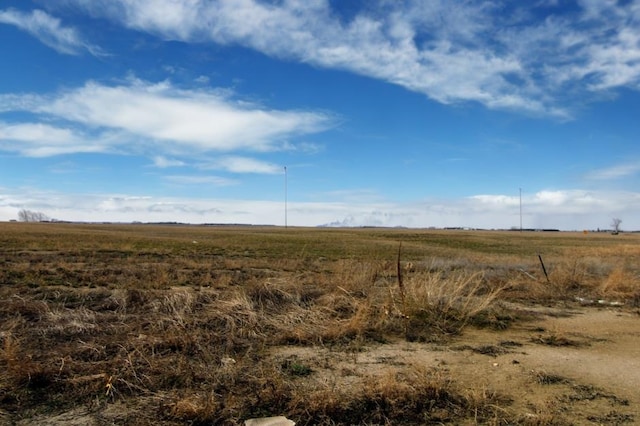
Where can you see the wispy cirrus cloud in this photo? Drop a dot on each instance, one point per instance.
(363, 195)
(164, 162)
(492, 53)
(50, 31)
(618, 171)
(152, 118)
(228, 163)
(238, 164)
(200, 180)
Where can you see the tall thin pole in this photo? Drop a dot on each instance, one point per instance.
(520, 209)
(285, 197)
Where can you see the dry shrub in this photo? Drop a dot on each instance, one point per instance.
(440, 302)
(620, 283)
(362, 302)
(569, 277)
(586, 277)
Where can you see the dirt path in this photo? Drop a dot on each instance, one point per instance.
(586, 366)
(581, 366)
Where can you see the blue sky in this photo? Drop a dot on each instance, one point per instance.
(387, 113)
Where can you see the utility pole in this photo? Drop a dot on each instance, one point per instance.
(285, 197)
(520, 209)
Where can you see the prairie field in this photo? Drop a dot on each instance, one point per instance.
(213, 325)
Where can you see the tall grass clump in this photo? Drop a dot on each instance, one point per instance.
(620, 283)
(569, 277)
(438, 303)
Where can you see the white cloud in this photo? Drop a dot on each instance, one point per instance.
(237, 164)
(560, 203)
(200, 180)
(494, 199)
(615, 62)
(566, 210)
(615, 172)
(163, 162)
(351, 195)
(196, 119)
(142, 116)
(381, 45)
(43, 140)
(173, 19)
(493, 53)
(49, 31)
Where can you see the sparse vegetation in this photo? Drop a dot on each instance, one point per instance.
(545, 378)
(183, 324)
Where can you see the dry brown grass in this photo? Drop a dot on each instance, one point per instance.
(447, 302)
(183, 332)
(622, 282)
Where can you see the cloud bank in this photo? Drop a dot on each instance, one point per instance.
(565, 210)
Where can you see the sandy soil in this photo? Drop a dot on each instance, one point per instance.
(581, 365)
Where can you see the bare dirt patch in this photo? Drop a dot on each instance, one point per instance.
(593, 382)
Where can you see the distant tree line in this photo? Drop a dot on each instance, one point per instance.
(25, 215)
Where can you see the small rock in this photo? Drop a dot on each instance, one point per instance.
(269, 421)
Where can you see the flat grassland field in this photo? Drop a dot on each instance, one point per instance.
(170, 325)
